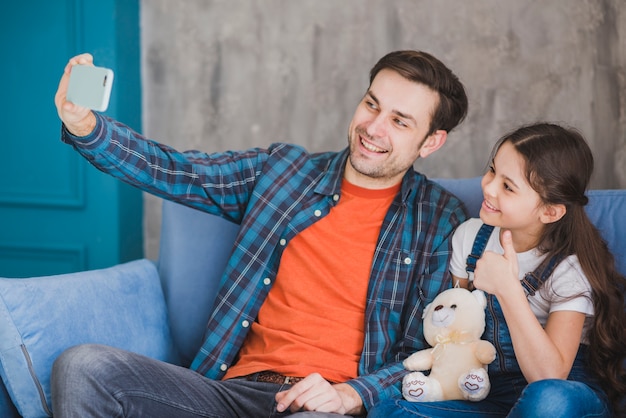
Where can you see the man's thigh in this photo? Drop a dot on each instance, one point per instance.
(94, 380)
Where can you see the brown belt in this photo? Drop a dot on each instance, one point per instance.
(273, 377)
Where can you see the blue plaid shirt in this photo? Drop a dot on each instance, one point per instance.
(274, 194)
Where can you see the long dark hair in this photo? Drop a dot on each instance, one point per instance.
(559, 164)
(424, 68)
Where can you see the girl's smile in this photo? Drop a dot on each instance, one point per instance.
(509, 200)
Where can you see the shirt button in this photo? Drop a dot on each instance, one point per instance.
(245, 324)
(407, 260)
(223, 367)
(267, 281)
(318, 213)
(283, 242)
(336, 197)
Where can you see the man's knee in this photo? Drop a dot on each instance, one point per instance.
(80, 361)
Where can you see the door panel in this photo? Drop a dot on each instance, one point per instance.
(58, 214)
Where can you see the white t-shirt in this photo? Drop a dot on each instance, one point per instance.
(567, 289)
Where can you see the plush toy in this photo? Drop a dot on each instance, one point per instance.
(458, 359)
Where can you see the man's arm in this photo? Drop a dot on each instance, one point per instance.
(78, 120)
(218, 183)
(386, 381)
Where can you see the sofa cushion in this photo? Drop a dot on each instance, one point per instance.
(122, 306)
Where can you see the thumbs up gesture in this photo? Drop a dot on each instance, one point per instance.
(496, 273)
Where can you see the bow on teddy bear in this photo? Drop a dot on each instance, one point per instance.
(453, 324)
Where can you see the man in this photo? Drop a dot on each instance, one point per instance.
(337, 256)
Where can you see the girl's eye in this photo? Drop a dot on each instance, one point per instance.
(491, 168)
(506, 187)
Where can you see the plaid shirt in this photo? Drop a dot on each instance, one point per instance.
(274, 194)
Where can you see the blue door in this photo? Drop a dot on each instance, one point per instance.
(57, 213)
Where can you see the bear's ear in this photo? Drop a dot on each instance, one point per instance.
(480, 297)
(425, 311)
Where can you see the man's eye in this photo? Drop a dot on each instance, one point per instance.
(400, 122)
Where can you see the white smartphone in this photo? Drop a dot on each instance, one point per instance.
(90, 87)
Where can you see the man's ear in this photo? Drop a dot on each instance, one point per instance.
(433, 142)
(552, 213)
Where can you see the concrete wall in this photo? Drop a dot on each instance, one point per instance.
(223, 74)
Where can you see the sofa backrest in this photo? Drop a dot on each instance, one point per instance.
(195, 246)
(194, 249)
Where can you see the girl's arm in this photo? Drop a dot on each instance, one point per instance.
(462, 282)
(541, 353)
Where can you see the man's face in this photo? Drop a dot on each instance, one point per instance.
(388, 130)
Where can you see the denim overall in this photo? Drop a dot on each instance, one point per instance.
(504, 373)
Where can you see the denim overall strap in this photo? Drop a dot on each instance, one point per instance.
(480, 242)
(533, 281)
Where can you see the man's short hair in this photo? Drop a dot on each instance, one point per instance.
(421, 67)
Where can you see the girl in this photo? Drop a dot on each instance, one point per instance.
(558, 330)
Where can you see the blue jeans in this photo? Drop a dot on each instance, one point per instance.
(100, 381)
(551, 398)
(510, 395)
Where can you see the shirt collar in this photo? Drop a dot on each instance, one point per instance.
(330, 184)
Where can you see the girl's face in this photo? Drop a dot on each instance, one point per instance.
(509, 200)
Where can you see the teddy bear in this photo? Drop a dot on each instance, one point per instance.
(453, 325)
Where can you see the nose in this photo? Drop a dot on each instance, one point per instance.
(376, 128)
(487, 184)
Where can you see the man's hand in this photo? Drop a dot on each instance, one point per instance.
(80, 121)
(314, 393)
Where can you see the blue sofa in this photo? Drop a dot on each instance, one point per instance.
(160, 308)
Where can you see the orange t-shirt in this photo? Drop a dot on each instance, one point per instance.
(313, 318)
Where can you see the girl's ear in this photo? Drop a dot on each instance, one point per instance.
(552, 213)
(433, 142)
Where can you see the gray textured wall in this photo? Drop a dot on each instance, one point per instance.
(224, 74)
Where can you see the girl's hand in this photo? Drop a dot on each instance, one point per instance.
(497, 273)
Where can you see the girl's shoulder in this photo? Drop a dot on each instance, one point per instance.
(569, 276)
(465, 235)
(469, 228)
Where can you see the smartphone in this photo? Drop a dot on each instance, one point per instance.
(90, 87)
